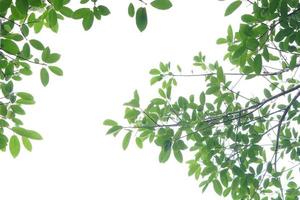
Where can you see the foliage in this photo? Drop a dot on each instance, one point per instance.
(246, 147)
(20, 20)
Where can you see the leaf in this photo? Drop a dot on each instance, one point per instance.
(26, 143)
(178, 156)
(17, 109)
(9, 46)
(37, 45)
(103, 10)
(139, 142)
(88, 20)
(56, 70)
(4, 5)
(141, 19)
(110, 122)
(14, 146)
(58, 4)
(257, 64)
(114, 130)
(161, 4)
(22, 6)
(164, 155)
(52, 18)
(131, 10)
(3, 141)
(44, 75)
(27, 133)
(217, 187)
(126, 140)
(220, 75)
(232, 7)
(135, 102)
(221, 41)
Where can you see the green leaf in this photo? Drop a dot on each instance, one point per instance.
(56, 70)
(217, 187)
(4, 5)
(24, 95)
(164, 155)
(3, 141)
(88, 20)
(52, 18)
(141, 19)
(221, 41)
(26, 143)
(178, 156)
(37, 45)
(161, 4)
(27, 133)
(109, 122)
(267, 93)
(232, 7)
(9, 46)
(103, 10)
(135, 102)
(80, 13)
(58, 4)
(22, 6)
(14, 146)
(220, 75)
(17, 109)
(131, 10)
(257, 64)
(44, 75)
(126, 140)
(35, 3)
(139, 142)
(114, 130)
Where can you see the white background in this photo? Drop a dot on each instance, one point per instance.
(102, 67)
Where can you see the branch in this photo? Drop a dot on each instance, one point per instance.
(286, 110)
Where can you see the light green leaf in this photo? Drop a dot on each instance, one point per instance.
(56, 70)
(131, 10)
(217, 187)
(26, 143)
(44, 76)
(27, 133)
(14, 146)
(126, 140)
(232, 7)
(161, 4)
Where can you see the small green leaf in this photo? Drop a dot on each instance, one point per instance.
(58, 4)
(52, 18)
(27, 133)
(232, 7)
(14, 146)
(17, 109)
(22, 6)
(109, 122)
(141, 19)
(44, 75)
(257, 64)
(131, 10)
(9, 46)
(217, 187)
(161, 4)
(103, 10)
(126, 140)
(27, 144)
(37, 45)
(88, 20)
(56, 70)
